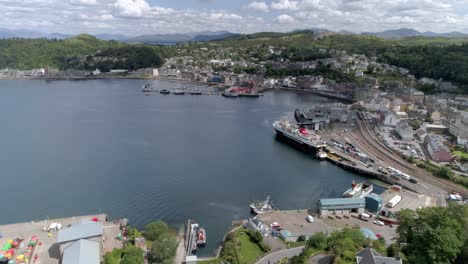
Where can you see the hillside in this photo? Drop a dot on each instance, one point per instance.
(445, 58)
(80, 52)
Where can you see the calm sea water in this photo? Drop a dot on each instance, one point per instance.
(83, 147)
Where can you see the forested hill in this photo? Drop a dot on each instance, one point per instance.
(81, 52)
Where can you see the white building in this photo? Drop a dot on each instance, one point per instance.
(390, 119)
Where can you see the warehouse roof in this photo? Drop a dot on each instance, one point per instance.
(83, 229)
(342, 201)
(82, 252)
(375, 197)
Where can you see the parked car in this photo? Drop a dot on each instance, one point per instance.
(378, 222)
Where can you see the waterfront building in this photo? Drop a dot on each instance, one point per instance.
(374, 203)
(82, 252)
(81, 243)
(341, 206)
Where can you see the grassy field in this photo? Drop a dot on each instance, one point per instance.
(248, 250)
(460, 154)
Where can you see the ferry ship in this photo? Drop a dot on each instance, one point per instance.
(261, 207)
(359, 190)
(302, 137)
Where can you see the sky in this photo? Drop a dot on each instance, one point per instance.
(139, 17)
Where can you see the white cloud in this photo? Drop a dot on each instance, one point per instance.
(258, 6)
(83, 2)
(285, 5)
(131, 8)
(112, 16)
(285, 19)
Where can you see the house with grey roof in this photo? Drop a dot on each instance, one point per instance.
(82, 252)
(371, 256)
(81, 243)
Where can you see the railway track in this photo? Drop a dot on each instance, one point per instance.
(380, 150)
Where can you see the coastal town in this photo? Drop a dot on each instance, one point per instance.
(412, 144)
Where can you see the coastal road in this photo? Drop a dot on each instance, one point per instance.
(279, 255)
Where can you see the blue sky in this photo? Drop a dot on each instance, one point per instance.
(137, 17)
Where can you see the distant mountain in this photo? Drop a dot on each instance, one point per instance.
(25, 33)
(408, 32)
(180, 37)
(117, 37)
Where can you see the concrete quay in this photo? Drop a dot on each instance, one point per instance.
(46, 250)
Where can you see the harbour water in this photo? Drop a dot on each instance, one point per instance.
(82, 147)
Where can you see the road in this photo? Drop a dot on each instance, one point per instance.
(434, 186)
(279, 255)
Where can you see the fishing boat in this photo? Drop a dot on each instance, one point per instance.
(201, 237)
(359, 190)
(261, 207)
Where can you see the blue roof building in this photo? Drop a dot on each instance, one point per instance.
(340, 206)
(374, 203)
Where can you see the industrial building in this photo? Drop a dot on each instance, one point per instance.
(81, 243)
(374, 203)
(341, 206)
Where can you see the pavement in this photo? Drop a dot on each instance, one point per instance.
(46, 252)
(295, 222)
(279, 255)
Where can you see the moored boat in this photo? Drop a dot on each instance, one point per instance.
(147, 88)
(253, 95)
(201, 237)
(301, 137)
(230, 95)
(195, 92)
(165, 91)
(261, 207)
(359, 190)
(178, 92)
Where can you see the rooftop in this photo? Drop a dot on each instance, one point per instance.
(342, 201)
(82, 252)
(80, 230)
(370, 256)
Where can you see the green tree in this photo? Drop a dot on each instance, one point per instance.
(393, 250)
(132, 255)
(301, 238)
(156, 229)
(433, 235)
(318, 241)
(444, 172)
(164, 248)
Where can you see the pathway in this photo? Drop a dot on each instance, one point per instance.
(279, 255)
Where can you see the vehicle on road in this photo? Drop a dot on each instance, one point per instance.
(378, 222)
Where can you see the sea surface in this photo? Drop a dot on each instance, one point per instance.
(83, 147)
